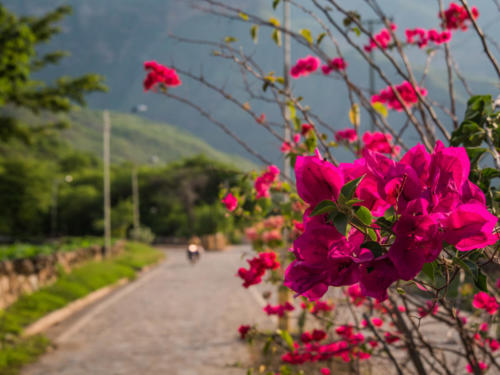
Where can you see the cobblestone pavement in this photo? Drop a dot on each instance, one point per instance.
(178, 320)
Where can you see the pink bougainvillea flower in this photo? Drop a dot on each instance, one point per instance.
(432, 198)
(261, 119)
(379, 142)
(355, 294)
(406, 92)
(325, 371)
(258, 267)
(421, 37)
(431, 307)
(348, 135)
(159, 74)
(336, 65)
(376, 276)
(305, 66)
(263, 182)
(469, 227)
(482, 366)
(317, 180)
(494, 345)
(391, 338)
(484, 301)
(306, 128)
(383, 38)
(278, 309)
(321, 306)
(230, 202)
(286, 147)
(243, 330)
(456, 17)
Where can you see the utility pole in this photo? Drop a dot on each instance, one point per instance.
(135, 198)
(371, 73)
(107, 189)
(283, 291)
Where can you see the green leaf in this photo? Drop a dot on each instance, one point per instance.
(340, 222)
(475, 153)
(349, 189)
(254, 33)
(306, 34)
(372, 234)
(364, 215)
(230, 39)
(380, 108)
(429, 269)
(243, 16)
(357, 31)
(276, 36)
(319, 39)
(353, 201)
(291, 110)
(275, 3)
(481, 281)
(287, 338)
(376, 249)
(323, 207)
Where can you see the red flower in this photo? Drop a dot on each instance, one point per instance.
(159, 74)
(483, 300)
(243, 330)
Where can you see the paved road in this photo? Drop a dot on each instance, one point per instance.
(176, 320)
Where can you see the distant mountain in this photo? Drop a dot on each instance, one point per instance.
(114, 37)
(136, 139)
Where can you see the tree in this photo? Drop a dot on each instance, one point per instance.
(20, 39)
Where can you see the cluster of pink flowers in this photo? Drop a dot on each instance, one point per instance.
(230, 202)
(243, 331)
(287, 146)
(258, 267)
(350, 346)
(384, 38)
(356, 295)
(431, 307)
(484, 301)
(264, 182)
(158, 74)
(456, 17)
(482, 366)
(376, 141)
(305, 66)
(405, 91)
(267, 231)
(318, 306)
(306, 128)
(380, 142)
(336, 64)
(421, 37)
(315, 335)
(433, 201)
(348, 135)
(377, 322)
(278, 309)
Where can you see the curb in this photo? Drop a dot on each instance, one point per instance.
(57, 316)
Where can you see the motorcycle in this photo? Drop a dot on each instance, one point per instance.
(193, 253)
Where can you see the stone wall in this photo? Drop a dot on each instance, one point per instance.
(24, 276)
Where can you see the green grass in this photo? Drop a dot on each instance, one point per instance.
(27, 250)
(14, 351)
(13, 356)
